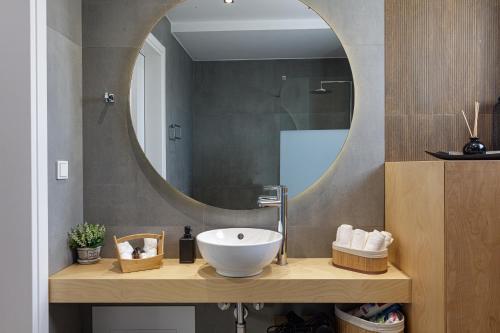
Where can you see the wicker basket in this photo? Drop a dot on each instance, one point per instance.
(136, 265)
(369, 262)
(345, 323)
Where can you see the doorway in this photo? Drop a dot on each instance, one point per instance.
(148, 104)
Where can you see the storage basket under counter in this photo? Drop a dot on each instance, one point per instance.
(347, 323)
(136, 265)
(368, 262)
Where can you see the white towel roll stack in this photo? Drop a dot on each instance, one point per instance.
(375, 241)
(344, 235)
(388, 238)
(150, 244)
(149, 254)
(125, 249)
(359, 239)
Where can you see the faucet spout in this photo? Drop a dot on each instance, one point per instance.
(279, 201)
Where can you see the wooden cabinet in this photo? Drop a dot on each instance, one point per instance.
(445, 217)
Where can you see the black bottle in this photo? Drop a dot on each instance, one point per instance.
(187, 247)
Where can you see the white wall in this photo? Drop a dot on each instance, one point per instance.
(15, 182)
(18, 208)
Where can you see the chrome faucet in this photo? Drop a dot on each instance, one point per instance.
(280, 201)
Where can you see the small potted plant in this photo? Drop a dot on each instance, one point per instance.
(87, 239)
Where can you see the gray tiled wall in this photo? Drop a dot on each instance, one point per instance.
(64, 48)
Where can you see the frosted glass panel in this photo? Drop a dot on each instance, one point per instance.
(306, 155)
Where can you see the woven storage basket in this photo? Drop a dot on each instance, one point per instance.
(136, 265)
(345, 323)
(369, 262)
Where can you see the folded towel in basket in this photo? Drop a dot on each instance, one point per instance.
(150, 244)
(125, 249)
(375, 241)
(388, 238)
(359, 239)
(344, 235)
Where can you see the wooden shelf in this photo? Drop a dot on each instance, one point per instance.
(301, 281)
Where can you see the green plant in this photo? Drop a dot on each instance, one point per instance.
(86, 235)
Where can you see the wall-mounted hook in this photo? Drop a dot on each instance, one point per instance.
(174, 132)
(109, 98)
(171, 132)
(178, 132)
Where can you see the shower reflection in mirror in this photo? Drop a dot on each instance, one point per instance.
(219, 114)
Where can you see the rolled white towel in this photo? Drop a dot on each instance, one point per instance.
(150, 244)
(125, 248)
(344, 235)
(375, 241)
(359, 239)
(149, 254)
(127, 256)
(388, 238)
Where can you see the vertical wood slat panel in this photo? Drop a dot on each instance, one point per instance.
(441, 56)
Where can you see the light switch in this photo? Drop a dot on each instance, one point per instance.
(62, 170)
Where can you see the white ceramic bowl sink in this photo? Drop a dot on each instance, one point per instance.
(239, 252)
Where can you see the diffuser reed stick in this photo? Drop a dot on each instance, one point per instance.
(467, 122)
(476, 116)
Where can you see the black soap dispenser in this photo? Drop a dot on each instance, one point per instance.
(187, 247)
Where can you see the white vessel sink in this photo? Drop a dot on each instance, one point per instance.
(239, 252)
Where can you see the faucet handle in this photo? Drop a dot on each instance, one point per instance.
(272, 188)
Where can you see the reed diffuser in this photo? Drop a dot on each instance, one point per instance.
(474, 146)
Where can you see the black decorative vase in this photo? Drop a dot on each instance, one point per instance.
(474, 147)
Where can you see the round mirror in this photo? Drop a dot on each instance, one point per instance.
(230, 96)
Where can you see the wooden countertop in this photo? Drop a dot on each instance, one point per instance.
(311, 280)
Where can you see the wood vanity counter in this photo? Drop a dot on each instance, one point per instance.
(311, 280)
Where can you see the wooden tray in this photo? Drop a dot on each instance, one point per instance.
(360, 261)
(461, 157)
(136, 265)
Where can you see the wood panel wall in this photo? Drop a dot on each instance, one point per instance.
(441, 56)
(445, 218)
(472, 218)
(415, 210)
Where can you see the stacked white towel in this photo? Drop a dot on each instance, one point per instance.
(126, 256)
(388, 238)
(149, 254)
(150, 248)
(125, 250)
(150, 244)
(375, 241)
(359, 239)
(344, 235)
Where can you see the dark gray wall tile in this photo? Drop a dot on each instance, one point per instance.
(65, 17)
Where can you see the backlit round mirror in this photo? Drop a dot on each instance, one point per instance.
(229, 97)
